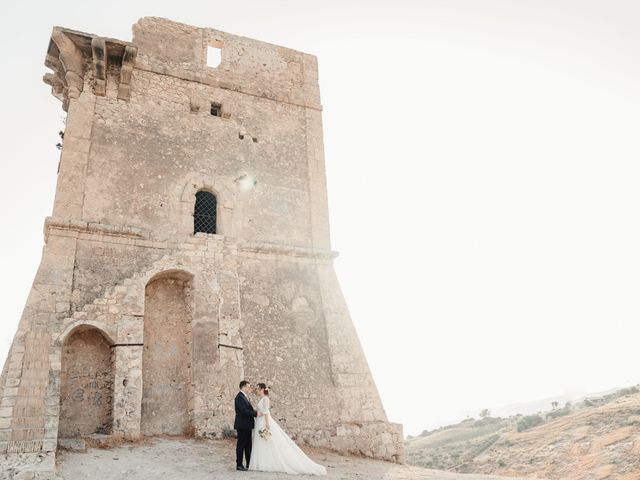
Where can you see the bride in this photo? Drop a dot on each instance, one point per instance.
(277, 452)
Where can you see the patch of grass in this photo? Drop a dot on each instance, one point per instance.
(486, 444)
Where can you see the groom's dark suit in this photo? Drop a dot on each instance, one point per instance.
(243, 423)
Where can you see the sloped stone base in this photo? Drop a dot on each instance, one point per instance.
(27, 466)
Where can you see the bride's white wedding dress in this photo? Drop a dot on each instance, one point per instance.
(278, 453)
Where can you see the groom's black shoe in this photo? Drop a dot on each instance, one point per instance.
(241, 468)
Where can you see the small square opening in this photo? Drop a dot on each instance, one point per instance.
(216, 109)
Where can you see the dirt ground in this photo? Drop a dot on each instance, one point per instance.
(177, 459)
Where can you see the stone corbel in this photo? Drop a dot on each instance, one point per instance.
(57, 87)
(73, 55)
(128, 61)
(72, 61)
(56, 80)
(99, 51)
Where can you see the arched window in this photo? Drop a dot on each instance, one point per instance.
(204, 213)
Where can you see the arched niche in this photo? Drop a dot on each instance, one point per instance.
(86, 383)
(166, 356)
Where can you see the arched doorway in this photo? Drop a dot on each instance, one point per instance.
(86, 384)
(166, 358)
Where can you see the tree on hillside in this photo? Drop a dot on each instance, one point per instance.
(485, 413)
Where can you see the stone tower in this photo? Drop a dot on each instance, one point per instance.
(188, 248)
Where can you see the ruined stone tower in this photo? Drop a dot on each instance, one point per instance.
(188, 248)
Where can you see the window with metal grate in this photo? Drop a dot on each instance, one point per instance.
(204, 213)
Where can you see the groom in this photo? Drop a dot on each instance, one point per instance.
(243, 424)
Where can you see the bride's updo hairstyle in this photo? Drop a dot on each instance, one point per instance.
(263, 386)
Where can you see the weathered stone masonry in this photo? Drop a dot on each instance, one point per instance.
(134, 324)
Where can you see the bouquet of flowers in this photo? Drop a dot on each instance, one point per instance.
(265, 433)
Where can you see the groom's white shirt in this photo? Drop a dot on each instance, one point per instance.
(245, 396)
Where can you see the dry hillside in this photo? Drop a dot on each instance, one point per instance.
(596, 439)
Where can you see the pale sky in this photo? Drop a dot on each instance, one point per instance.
(482, 167)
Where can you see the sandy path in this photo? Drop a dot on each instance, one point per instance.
(178, 459)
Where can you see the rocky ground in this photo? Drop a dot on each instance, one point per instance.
(177, 459)
(593, 441)
(601, 443)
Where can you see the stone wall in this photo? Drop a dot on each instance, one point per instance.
(285, 339)
(196, 147)
(185, 315)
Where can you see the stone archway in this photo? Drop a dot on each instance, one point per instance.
(166, 358)
(86, 384)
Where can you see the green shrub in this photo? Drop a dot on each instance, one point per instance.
(627, 391)
(528, 422)
(229, 433)
(487, 421)
(561, 412)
